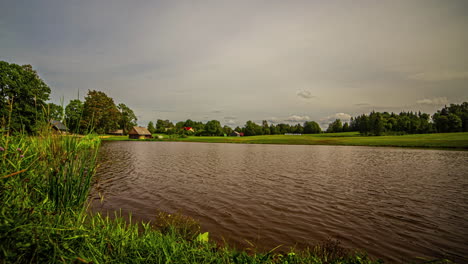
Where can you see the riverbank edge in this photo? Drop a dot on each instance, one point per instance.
(42, 221)
(442, 141)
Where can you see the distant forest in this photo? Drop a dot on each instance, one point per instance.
(24, 108)
(453, 118)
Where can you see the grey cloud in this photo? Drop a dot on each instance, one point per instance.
(297, 118)
(230, 117)
(433, 101)
(244, 57)
(439, 76)
(305, 94)
(344, 117)
(362, 104)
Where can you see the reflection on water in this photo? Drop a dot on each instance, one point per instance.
(398, 204)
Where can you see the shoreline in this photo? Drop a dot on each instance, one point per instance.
(441, 141)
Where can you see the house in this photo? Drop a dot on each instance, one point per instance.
(118, 132)
(139, 133)
(236, 134)
(190, 129)
(58, 127)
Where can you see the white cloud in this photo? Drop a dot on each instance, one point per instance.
(433, 101)
(231, 122)
(305, 94)
(297, 118)
(323, 122)
(439, 76)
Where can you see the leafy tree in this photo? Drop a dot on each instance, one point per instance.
(164, 126)
(335, 127)
(22, 97)
(265, 128)
(128, 118)
(312, 127)
(54, 112)
(252, 129)
(213, 128)
(227, 130)
(73, 115)
(151, 127)
(100, 113)
(346, 127)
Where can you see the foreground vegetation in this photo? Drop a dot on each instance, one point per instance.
(441, 140)
(44, 184)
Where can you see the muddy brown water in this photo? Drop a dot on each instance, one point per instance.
(397, 204)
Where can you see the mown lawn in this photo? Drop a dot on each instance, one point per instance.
(441, 140)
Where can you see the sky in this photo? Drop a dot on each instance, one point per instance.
(233, 61)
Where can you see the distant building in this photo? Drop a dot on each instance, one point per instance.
(189, 129)
(236, 134)
(118, 132)
(58, 127)
(139, 133)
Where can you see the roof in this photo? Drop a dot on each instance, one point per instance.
(118, 131)
(136, 130)
(59, 125)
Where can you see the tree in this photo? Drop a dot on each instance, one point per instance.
(335, 127)
(100, 113)
(227, 130)
(73, 115)
(312, 127)
(213, 128)
(151, 127)
(54, 112)
(128, 118)
(22, 97)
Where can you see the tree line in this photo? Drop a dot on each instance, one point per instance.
(214, 128)
(24, 107)
(453, 118)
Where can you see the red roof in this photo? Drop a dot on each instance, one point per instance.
(187, 128)
(241, 134)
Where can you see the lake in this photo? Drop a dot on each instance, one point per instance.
(397, 204)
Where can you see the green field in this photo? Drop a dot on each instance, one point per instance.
(442, 140)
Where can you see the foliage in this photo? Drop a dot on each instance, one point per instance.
(453, 118)
(151, 127)
(73, 115)
(312, 127)
(127, 118)
(100, 113)
(54, 112)
(22, 97)
(213, 128)
(335, 127)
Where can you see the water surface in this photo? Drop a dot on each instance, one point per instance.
(397, 204)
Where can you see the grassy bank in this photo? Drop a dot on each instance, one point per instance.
(442, 140)
(44, 184)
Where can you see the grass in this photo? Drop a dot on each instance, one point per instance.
(440, 141)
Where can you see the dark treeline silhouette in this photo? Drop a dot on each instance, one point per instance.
(453, 118)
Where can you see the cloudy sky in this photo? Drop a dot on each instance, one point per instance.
(245, 60)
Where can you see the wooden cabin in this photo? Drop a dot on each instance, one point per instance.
(58, 127)
(139, 133)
